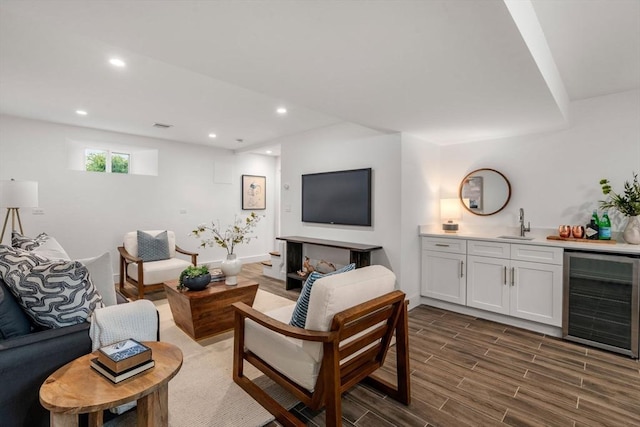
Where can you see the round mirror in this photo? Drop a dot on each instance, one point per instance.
(485, 192)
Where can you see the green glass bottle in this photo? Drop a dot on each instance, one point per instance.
(604, 227)
(591, 230)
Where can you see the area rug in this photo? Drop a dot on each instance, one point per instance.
(203, 392)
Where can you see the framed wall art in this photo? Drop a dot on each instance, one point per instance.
(254, 192)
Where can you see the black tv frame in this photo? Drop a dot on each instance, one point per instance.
(367, 217)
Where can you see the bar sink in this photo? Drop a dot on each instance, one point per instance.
(515, 237)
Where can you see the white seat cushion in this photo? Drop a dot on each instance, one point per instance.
(159, 271)
(283, 353)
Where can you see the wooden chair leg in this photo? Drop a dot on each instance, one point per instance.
(402, 357)
(402, 391)
(140, 281)
(333, 396)
(122, 273)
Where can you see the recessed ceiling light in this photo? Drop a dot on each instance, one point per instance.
(81, 112)
(212, 135)
(269, 151)
(117, 62)
(281, 110)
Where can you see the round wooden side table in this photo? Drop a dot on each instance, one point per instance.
(76, 388)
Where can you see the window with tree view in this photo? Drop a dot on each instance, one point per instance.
(106, 161)
(119, 163)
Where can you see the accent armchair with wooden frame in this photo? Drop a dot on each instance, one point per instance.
(149, 276)
(350, 324)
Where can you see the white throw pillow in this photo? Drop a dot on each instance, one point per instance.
(51, 249)
(101, 273)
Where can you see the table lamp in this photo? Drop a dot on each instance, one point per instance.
(15, 195)
(450, 210)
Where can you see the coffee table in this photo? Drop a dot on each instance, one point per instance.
(76, 388)
(202, 314)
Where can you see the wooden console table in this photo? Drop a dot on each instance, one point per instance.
(359, 254)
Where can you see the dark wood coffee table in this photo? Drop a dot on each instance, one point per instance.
(76, 389)
(202, 314)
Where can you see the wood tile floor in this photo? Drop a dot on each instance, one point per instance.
(472, 372)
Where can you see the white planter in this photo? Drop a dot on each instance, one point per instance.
(231, 267)
(631, 233)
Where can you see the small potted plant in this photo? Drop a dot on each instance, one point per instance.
(627, 203)
(194, 278)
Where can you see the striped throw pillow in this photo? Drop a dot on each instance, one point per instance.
(299, 316)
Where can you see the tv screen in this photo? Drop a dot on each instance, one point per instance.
(341, 197)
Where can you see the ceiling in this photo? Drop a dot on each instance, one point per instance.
(446, 71)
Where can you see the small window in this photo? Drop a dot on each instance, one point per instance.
(95, 160)
(106, 161)
(119, 163)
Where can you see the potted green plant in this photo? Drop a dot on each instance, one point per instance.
(194, 278)
(627, 203)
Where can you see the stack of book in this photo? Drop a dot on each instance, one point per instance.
(123, 360)
(216, 275)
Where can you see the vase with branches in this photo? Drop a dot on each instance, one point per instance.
(237, 233)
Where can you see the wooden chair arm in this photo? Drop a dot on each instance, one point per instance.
(281, 328)
(127, 256)
(193, 255)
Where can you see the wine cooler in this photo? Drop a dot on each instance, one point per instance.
(600, 301)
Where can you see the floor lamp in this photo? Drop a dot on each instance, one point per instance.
(15, 195)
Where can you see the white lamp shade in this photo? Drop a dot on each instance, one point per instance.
(18, 194)
(450, 209)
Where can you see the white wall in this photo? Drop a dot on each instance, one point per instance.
(90, 212)
(420, 205)
(554, 176)
(343, 147)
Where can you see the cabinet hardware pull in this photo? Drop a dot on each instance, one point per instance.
(513, 276)
(461, 268)
(505, 275)
(442, 245)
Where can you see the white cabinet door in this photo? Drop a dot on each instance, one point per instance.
(536, 293)
(488, 282)
(443, 276)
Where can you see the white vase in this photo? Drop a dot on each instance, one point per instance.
(631, 233)
(231, 267)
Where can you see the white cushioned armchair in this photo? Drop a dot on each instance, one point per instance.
(148, 276)
(350, 323)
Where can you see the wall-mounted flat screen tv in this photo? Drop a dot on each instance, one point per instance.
(341, 197)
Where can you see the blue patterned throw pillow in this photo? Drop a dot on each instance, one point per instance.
(299, 316)
(153, 248)
(53, 294)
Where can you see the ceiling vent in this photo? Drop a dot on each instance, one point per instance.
(240, 140)
(161, 126)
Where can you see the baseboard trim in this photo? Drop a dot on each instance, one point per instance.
(495, 317)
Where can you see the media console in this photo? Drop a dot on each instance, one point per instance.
(359, 254)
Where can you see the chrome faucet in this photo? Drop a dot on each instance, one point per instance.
(523, 229)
